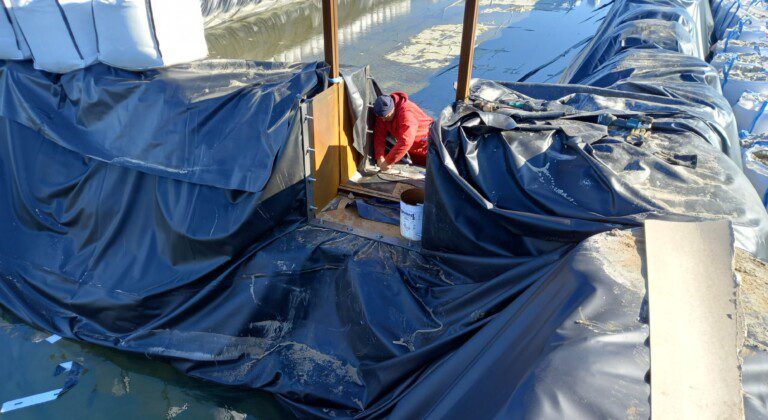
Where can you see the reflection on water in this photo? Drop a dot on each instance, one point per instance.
(293, 32)
(433, 48)
(216, 12)
(115, 385)
(413, 45)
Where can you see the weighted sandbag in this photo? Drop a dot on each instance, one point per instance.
(741, 72)
(13, 46)
(145, 34)
(738, 46)
(750, 114)
(755, 153)
(746, 33)
(60, 33)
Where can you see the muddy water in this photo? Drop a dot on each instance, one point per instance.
(113, 385)
(412, 45)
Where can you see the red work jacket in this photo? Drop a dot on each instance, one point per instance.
(409, 127)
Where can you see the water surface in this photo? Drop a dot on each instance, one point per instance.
(114, 385)
(413, 45)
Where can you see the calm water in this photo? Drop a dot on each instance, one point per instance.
(411, 45)
(114, 385)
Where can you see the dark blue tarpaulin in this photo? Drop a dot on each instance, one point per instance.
(566, 177)
(218, 123)
(164, 213)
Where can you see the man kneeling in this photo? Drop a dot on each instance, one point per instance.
(407, 123)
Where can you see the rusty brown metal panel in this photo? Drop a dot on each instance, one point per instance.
(325, 132)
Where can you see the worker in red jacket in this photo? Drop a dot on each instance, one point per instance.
(407, 123)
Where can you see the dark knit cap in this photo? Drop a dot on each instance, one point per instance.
(383, 106)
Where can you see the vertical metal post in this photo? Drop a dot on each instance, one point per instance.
(331, 35)
(467, 49)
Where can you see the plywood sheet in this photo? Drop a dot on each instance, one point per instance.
(325, 133)
(692, 307)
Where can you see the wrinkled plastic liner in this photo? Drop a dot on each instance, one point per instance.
(164, 213)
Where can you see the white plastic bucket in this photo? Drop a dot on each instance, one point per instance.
(411, 213)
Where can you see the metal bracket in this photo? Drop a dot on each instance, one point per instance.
(309, 159)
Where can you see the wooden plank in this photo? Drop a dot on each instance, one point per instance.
(331, 35)
(325, 133)
(693, 328)
(367, 192)
(348, 217)
(467, 57)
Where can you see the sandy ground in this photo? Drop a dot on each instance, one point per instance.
(753, 298)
